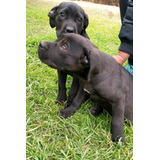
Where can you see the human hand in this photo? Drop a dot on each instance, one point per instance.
(121, 57)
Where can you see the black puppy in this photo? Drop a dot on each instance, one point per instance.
(100, 76)
(68, 17)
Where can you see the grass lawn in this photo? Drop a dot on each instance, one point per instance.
(81, 136)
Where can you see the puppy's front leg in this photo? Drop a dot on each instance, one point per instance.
(73, 91)
(117, 121)
(76, 104)
(61, 87)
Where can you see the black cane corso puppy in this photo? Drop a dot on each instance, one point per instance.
(100, 76)
(68, 17)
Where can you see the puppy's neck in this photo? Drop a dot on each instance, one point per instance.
(83, 74)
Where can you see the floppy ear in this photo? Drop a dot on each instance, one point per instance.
(52, 15)
(84, 59)
(92, 60)
(86, 21)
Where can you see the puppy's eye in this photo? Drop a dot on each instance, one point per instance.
(64, 46)
(79, 19)
(62, 14)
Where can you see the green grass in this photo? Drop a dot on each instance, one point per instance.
(81, 136)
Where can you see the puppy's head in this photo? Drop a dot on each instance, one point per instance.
(68, 17)
(70, 53)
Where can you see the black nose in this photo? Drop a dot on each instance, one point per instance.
(43, 45)
(69, 30)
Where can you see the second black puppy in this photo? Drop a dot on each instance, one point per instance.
(107, 82)
(68, 17)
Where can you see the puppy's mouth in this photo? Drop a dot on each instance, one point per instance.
(42, 53)
(49, 63)
(53, 65)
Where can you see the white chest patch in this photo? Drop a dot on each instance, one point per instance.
(87, 91)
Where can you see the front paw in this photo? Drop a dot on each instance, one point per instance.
(67, 112)
(61, 99)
